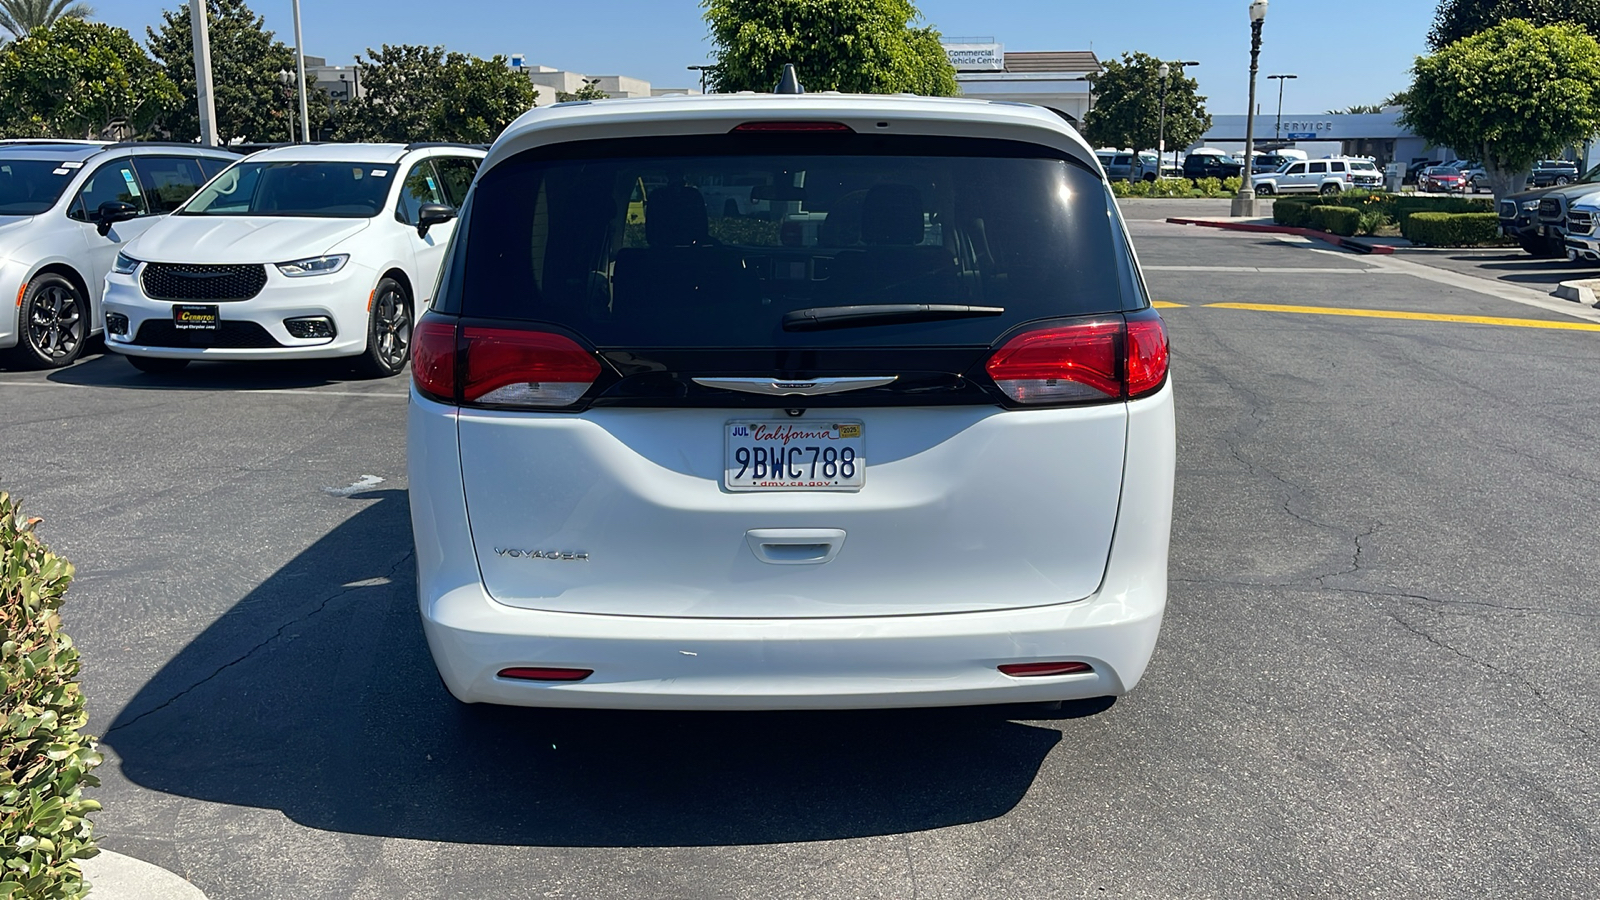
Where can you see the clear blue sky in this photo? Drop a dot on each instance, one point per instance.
(1346, 52)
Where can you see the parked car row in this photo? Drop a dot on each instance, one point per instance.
(1556, 220)
(179, 252)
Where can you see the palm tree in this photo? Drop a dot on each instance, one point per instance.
(22, 16)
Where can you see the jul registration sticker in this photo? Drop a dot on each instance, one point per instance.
(789, 456)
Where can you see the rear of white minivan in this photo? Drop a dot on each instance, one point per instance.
(746, 409)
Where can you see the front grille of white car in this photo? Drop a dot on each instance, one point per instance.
(179, 281)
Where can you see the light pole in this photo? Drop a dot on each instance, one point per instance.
(1244, 205)
(1277, 127)
(283, 79)
(202, 71)
(300, 68)
(1161, 128)
(702, 70)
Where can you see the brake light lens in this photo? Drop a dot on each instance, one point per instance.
(500, 367)
(793, 126)
(1042, 669)
(1084, 362)
(544, 673)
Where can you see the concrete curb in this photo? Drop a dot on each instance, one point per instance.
(1334, 239)
(117, 877)
(1578, 292)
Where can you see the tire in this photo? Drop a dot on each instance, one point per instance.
(52, 324)
(1329, 190)
(1562, 179)
(157, 365)
(1149, 177)
(1542, 247)
(1266, 189)
(388, 332)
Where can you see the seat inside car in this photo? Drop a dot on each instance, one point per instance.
(891, 261)
(682, 269)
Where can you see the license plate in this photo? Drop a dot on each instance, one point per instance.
(789, 456)
(195, 317)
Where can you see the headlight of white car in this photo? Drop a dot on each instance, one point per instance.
(315, 265)
(125, 264)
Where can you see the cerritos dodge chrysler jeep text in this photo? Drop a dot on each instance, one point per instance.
(892, 428)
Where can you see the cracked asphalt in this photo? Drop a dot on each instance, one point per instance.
(1378, 675)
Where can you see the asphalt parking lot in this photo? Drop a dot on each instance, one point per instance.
(1379, 674)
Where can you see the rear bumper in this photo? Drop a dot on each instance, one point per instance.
(649, 662)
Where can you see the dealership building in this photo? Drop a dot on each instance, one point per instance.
(1055, 79)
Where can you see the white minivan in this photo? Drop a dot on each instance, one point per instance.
(902, 437)
(311, 251)
(66, 207)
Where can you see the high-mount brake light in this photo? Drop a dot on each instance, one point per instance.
(793, 126)
(499, 366)
(1085, 362)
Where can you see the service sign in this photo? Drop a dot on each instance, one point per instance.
(977, 57)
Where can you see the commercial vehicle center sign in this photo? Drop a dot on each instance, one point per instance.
(969, 57)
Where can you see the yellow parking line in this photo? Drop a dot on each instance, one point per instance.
(1422, 316)
(1163, 304)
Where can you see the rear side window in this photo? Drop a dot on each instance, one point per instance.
(1337, 167)
(1319, 168)
(708, 241)
(168, 180)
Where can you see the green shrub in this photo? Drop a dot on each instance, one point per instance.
(1443, 229)
(1233, 184)
(43, 829)
(1171, 187)
(1341, 220)
(1121, 188)
(1209, 187)
(1294, 213)
(1370, 221)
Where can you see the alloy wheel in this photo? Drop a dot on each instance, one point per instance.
(56, 324)
(391, 328)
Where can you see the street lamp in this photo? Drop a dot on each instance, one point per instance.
(1244, 205)
(702, 70)
(1161, 129)
(283, 79)
(300, 68)
(1277, 128)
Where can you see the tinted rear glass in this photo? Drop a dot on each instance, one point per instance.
(707, 241)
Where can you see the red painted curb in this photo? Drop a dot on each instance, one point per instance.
(1334, 239)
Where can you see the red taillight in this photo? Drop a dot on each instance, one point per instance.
(1103, 359)
(1038, 669)
(545, 673)
(524, 368)
(1146, 364)
(433, 357)
(500, 367)
(793, 126)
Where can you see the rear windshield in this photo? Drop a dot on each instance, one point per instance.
(29, 187)
(311, 189)
(708, 241)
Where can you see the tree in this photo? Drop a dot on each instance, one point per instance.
(1127, 105)
(589, 91)
(1359, 109)
(252, 106)
(1456, 19)
(77, 79)
(855, 46)
(415, 93)
(1508, 96)
(20, 17)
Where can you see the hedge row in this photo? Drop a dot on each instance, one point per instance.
(46, 761)
(1439, 229)
(1296, 211)
(1336, 219)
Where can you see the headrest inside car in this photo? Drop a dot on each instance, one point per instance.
(675, 216)
(892, 214)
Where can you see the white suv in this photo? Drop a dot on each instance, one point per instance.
(298, 252)
(903, 437)
(65, 209)
(1321, 176)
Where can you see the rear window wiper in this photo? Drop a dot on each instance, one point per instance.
(818, 318)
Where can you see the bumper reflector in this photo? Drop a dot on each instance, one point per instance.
(544, 673)
(310, 327)
(1037, 669)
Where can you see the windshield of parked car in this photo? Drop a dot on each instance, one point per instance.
(327, 190)
(730, 233)
(1442, 170)
(28, 187)
(1361, 165)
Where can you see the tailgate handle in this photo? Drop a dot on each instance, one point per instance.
(795, 546)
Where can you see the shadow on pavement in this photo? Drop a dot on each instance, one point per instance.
(113, 370)
(315, 695)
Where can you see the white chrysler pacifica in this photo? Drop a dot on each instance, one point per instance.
(783, 402)
(313, 251)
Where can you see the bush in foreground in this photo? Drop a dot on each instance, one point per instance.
(1342, 220)
(1438, 229)
(47, 762)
